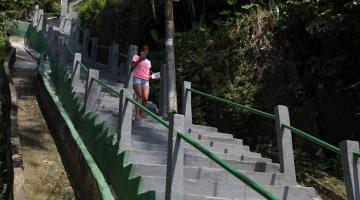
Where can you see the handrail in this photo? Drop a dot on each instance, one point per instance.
(356, 154)
(69, 49)
(268, 115)
(313, 139)
(82, 65)
(236, 105)
(110, 89)
(227, 166)
(122, 55)
(103, 46)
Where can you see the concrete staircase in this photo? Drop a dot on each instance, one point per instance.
(203, 178)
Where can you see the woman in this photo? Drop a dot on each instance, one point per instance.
(140, 66)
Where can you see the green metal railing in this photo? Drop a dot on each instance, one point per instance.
(271, 116)
(357, 154)
(236, 105)
(313, 139)
(227, 166)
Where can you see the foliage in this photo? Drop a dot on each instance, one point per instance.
(52, 6)
(89, 9)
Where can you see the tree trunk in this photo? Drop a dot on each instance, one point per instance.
(170, 56)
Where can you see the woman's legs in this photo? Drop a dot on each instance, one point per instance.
(139, 97)
(145, 94)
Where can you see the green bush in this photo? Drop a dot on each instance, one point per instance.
(89, 9)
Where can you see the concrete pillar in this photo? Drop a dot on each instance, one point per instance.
(133, 49)
(40, 20)
(163, 107)
(92, 96)
(75, 76)
(186, 105)
(35, 16)
(351, 168)
(85, 43)
(175, 159)
(285, 146)
(92, 73)
(125, 119)
(61, 49)
(64, 7)
(94, 48)
(113, 59)
(67, 24)
(76, 31)
(43, 23)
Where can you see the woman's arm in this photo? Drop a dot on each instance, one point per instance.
(134, 65)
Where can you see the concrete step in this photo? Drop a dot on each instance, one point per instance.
(211, 133)
(161, 196)
(156, 157)
(215, 174)
(240, 155)
(237, 190)
(202, 127)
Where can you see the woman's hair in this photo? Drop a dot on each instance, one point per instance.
(144, 46)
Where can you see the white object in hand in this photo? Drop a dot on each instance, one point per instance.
(155, 75)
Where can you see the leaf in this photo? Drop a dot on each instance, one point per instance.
(237, 13)
(251, 5)
(232, 2)
(155, 35)
(225, 12)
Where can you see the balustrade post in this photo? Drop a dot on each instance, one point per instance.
(85, 43)
(351, 168)
(35, 16)
(113, 59)
(175, 159)
(94, 49)
(125, 119)
(284, 141)
(64, 7)
(75, 75)
(133, 49)
(163, 108)
(92, 74)
(92, 96)
(40, 20)
(186, 105)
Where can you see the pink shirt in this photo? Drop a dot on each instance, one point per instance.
(142, 70)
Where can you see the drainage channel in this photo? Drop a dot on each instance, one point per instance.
(44, 173)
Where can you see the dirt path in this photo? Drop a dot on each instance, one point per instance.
(45, 176)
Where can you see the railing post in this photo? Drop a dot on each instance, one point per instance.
(125, 119)
(94, 48)
(35, 16)
(75, 31)
(44, 23)
(351, 168)
(133, 49)
(75, 75)
(85, 43)
(186, 105)
(92, 73)
(285, 146)
(92, 96)
(175, 160)
(40, 20)
(163, 109)
(64, 7)
(113, 59)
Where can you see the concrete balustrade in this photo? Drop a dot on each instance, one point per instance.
(284, 141)
(175, 159)
(133, 50)
(113, 58)
(40, 20)
(351, 168)
(35, 16)
(163, 102)
(94, 50)
(186, 105)
(75, 78)
(125, 119)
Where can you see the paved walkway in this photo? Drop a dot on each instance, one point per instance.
(45, 176)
